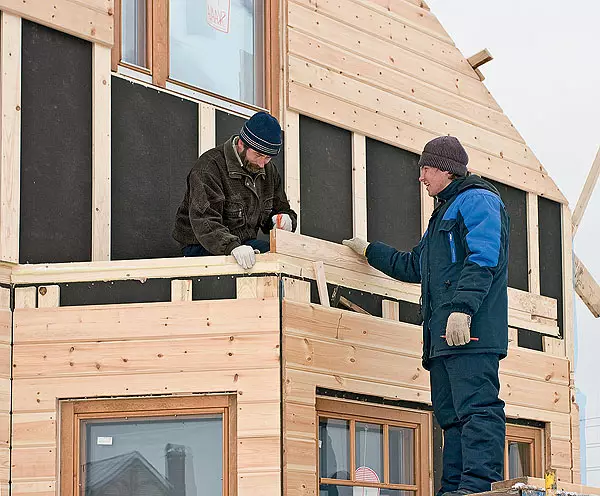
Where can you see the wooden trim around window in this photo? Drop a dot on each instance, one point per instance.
(115, 56)
(160, 42)
(272, 60)
(72, 413)
(534, 437)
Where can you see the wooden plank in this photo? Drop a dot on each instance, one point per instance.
(257, 287)
(533, 244)
(524, 320)
(292, 161)
(402, 85)
(337, 112)
(390, 310)
(25, 297)
(207, 134)
(37, 488)
(407, 112)
(554, 346)
(259, 419)
(4, 298)
(160, 42)
(10, 145)
(34, 429)
(587, 288)
(48, 296)
(101, 161)
(586, 192)
(536, 305)
(181, 290)
(296, 290)
(568, 284)
(260, 483)
(382, 52)
(258, 454)
(539, 483)
(480, 58)
(321, 283)
(359, 185)
(513, 335)
(70, 17)
(32, 463)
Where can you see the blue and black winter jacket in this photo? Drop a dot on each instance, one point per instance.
(462, 265)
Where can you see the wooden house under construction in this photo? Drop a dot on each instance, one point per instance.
(128, 369)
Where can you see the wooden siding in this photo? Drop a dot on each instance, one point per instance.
(141, 349)
(5, 387)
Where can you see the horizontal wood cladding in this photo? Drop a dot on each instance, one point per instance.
(180, 348)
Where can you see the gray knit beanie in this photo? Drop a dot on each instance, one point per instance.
(447, 154)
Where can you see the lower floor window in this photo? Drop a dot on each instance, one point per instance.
(371, 450)
(523, 452)
(149, 446)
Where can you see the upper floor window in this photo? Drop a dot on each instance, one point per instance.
(367, 449)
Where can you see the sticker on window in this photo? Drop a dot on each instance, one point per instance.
(218, 13)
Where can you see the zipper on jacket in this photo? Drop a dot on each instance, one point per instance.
(452, 246)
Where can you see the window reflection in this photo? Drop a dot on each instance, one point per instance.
(519, 459)
(402, 468)
(334, 452)
(369, 452)
(133, 32)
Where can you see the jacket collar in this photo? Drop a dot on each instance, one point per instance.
(233, 161)
(462, 183)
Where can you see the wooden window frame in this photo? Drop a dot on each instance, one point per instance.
(530, 435)
(420, 421)
(157, 56)
(74, 412)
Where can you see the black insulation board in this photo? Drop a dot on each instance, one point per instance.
(515, 201)
(154, 146)
(550, 238)
(529, 339)
(214, 288)
(325, 180)
(393, 195)
(56, 147)
(112, 292)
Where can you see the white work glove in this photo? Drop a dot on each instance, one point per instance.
(245, 256)
(359, 245)
(282, 221)
(458, 329)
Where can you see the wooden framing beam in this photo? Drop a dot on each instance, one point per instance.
(533, 244)
(181, 290)
(207, 132)
(390, 310)
(292, 161)
(480, 58)
(101, 152)
(26, 297)
(587, 288)
(319, 269)
(568, 283)
(48, 296)
(160, 42)
(359, 185)
(586, 192)
(10, 145)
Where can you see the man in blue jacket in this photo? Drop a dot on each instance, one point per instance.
(462, 265)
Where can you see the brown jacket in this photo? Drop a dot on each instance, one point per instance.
(224, 205)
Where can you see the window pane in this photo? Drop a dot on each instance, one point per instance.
(519, 463)
(334, 448)
(402, 449)
(331, 490)
(369, 452)
(133, 32)
(154, 457)
(218, 45)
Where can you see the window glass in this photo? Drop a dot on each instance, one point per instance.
(217, 45)
(332, 490)
(402, 449)
(519, 459)
(369, 452)
(334, 452)
(133, 32)
(153, 457)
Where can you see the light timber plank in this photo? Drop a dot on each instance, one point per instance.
(10, 145)
(513, 335)
(258, 454)
(390, 310)
(300, 420)
(181, 290)
(536, 305)
(25, 297)
(64, 15)
(568, 285)
(207, 133)
(258, 419)
(34, 429)
(586, 192)
(319, 269)
(480, 58)
(101, 149)
(427, 206)
(378, 50)
(301, 453)
(587, 288)
(292, 161)
(337, 112)
(359, 185)
(32, 463)
(145, 321)
(260, 483)
(404, 86)
(554, 346)
(5, 326)
(4, 298)
(257, 287)
(533, 244)
(38, 488)
(48, 296)
(296, 290)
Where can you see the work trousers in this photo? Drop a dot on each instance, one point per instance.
(464, 394)
(199, 250)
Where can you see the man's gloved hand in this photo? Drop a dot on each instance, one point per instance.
(458, 329)
(282, 221)
(359, 245)
(245, 256)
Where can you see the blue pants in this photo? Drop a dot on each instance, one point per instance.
(199, 251)
(464, 394)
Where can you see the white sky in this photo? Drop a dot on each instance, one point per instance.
(546, 77)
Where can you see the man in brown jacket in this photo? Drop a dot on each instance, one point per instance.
(232, 191)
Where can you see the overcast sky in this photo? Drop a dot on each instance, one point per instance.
(546, 77)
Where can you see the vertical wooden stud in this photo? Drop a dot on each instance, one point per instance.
(513, 336)
(296, 290)
(207, 134)
(48, 296)
(101, 172)
(25, 297)
(115, 56)
(533, 243)
(4, 298)
(181, 290)
(568, 300)
(359, 185)
(390, 310)
(292, 161)
(257, 287)
(427, 206)
(10, 145)
(553, 346)
(160, 42)
(319, 269)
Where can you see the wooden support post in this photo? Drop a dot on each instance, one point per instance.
(319, 269)
(257, 287)
(160, 42)
(390, 310)
(207, 133)
(181, 290)
(292, 161)
(587, 288)
(586, 193)
(48, 296)
(568, 303)
(513, 337)
(101, 166)
(359, 185)
(427, 206)
(553, 346)
(25, 297)
(296, 290)
(10, 145)
(533, 244)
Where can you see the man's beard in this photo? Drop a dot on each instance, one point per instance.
(252, 168)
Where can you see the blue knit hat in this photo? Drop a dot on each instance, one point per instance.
(262, 133)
